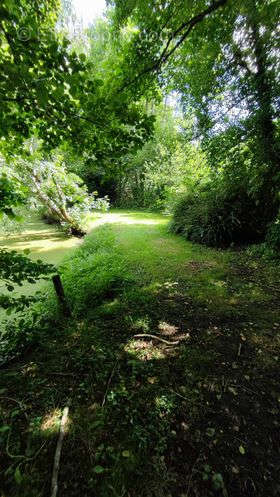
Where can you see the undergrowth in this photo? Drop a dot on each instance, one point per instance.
(95, 272)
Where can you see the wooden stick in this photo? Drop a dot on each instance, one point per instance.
(108, 383)
(146, 335)
(60, 374)
(57, 283)
(58, 451)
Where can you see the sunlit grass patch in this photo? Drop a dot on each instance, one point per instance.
(144, 350)
(51, 422)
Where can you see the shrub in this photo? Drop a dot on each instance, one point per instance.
(20, 332)
(230, 207)
(270, 249)
(216, 217)
(264, 251)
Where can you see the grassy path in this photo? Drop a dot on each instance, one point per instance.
(195, 418)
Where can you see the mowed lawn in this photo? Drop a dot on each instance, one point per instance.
(169, 366)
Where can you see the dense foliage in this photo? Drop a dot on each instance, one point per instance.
(223, 61)
(60, 194)
(165, 167)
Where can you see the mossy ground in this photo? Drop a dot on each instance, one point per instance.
(149, 419)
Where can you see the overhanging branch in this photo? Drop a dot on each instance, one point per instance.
(183, 30)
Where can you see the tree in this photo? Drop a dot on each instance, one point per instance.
(63, 194)
(40, 80)
(123, 124)
(165, 166)
(50, 91)
(229, 73)
(223, 60)
(160, 30)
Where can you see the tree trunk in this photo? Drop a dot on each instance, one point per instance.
(265, 127)
(57, 211)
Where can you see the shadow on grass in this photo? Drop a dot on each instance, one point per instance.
(146, 418)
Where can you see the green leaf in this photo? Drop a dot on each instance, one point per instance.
(125, 453)
(98, 469)
(232, 390)
(4, 428)
(210, 432)
(18, 476)
(218, 481)
(242, 450)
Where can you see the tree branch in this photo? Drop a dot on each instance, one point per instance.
(188, 26)
(237, 54)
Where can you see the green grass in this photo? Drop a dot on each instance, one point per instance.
(149, 419)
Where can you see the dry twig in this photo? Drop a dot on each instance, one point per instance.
(108, 383)
(146, 335)
(58, 451)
